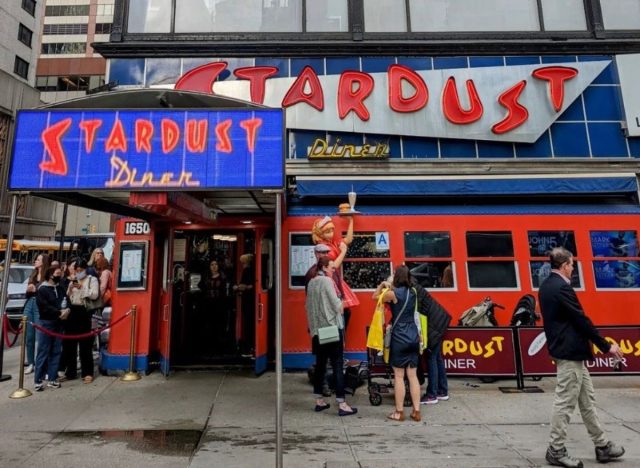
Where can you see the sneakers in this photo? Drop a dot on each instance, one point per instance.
(609, 452)
(53, 384)
(28, 369)
(39, 387)
(443, 397)
(562, 458)
(428, 400)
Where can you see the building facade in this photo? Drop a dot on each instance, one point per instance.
(19, 39)
(476, 135)
(69, 68)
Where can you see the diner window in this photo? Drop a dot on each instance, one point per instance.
(438, 272)
(239, 16)
(364, 266)
(618, 259)
(151, 16)
(472, 15)
(25, 35)
(491, 263)
(327, 16)
(620, 14)
(540, 245)
(385, 16)
(29, 6)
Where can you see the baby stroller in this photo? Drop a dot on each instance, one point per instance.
(480, 315)
(378, 369)
(524, 315)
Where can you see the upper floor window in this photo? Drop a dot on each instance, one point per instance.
(25, 35)
(239, 16)
(152, 16)
(104, 10)
(21, 67)
(472, 15)
(71, 28)
(103, 28)
(327, 16)
(620, 14)
(385, 16)
(64, 48)
(564, 15)
(29, 6)
(491, 263)
(67, 10)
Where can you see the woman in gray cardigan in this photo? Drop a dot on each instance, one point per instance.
(324, 308)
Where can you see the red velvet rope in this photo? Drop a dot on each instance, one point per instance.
(6, 325)
(94, 332)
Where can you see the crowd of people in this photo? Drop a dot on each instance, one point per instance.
(570, 338)
(62, 300)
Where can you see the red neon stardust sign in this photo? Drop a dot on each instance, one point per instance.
(354, 87)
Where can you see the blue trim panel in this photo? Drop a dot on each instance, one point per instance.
(404, 210)
(120, 362)
(261, 364)
(571, 186)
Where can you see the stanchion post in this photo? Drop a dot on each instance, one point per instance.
(132, 375)
(22, 392)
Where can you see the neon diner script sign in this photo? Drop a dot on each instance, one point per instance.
(147, 150)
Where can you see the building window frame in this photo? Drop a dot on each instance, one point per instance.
(29, 6)
(21, 67)
(25, 35)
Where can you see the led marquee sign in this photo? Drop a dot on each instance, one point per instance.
(147, 150)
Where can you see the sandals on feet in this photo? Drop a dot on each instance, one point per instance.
(415, 415)
(396, 416)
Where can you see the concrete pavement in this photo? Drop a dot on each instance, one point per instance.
(227, 419)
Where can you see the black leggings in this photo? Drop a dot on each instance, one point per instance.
(333, 352)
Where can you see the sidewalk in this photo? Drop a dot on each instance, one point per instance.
(227, 419)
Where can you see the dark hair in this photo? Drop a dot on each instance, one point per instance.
(49, 273)
(402, 277)
(323, 262)
(558, 256)
(46, 262)
(82, 263)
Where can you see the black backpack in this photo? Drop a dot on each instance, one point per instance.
(524, 315)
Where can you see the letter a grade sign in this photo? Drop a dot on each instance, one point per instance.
(382, 241)
(147, 150)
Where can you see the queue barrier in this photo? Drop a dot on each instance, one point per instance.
(519, 352)
(131, 375)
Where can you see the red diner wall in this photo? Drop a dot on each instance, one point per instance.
(621, 307)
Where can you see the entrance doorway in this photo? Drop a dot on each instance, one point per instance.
(222, 292)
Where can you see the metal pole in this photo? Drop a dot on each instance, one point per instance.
(63, 231)
(22, 392)
(278, 254)
(132, 375)
(5, 282)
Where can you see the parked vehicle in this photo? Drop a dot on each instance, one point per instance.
(17, 290)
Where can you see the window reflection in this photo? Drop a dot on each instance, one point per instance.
(149, 16)
(239, 16)
(327, 16)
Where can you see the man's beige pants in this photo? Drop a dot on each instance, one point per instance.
(574, 386)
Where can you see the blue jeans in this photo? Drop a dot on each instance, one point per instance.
(437, 380)
(33, 315)
(49, 351)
